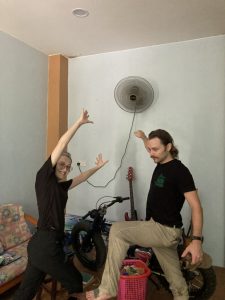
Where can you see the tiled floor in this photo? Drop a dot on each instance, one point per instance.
(153, 293)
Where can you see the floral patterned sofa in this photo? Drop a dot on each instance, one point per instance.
(16, 228)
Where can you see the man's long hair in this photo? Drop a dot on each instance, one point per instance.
(165, 139)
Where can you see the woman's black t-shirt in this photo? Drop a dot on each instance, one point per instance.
(166, 195)
(51, 198)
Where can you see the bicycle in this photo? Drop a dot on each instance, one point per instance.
(90, 246)
(89, 237)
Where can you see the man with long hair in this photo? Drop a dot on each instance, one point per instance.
(170, 185)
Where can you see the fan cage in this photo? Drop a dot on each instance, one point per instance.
(134, 94)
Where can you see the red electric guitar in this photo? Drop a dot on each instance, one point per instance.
(130, 178)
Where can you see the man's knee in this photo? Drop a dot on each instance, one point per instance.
(115, 229)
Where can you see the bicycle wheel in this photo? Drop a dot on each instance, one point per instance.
(201, 283)
(89, 247)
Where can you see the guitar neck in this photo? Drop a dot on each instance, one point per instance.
(132, 209)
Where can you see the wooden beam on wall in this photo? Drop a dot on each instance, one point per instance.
(57, 99)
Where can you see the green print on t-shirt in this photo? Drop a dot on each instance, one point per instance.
(159, 182)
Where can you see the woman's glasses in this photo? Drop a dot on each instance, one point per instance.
(62, 166)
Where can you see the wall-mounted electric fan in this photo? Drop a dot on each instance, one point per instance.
(134, 94)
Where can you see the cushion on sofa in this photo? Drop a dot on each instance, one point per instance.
(17, 267)
(13, 227)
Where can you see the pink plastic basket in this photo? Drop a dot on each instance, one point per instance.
(134, 287)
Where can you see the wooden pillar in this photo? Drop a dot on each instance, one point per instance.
(57, 99)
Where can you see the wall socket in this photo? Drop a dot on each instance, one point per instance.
(82, 163)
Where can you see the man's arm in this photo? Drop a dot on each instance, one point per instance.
(195, 247)
(67, 136)
(85, 175)
(141, 135)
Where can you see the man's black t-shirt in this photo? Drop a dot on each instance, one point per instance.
(166, 195)
(51, 198)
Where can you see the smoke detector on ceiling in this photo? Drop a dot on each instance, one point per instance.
(80, 12)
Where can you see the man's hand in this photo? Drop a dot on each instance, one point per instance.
(100, 162)
(140, 134)
(195, 250)
(84, 118)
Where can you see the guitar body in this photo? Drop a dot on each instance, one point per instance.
(133, 212)
(127, 218)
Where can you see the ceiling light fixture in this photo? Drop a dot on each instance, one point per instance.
(80, 12)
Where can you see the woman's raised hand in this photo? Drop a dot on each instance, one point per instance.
(99, 161)
(84, 118)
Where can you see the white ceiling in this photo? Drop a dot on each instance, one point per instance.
(50, 26)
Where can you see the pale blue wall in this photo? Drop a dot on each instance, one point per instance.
(23, 117)
(188, 79)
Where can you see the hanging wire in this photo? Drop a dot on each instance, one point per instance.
(121, 161)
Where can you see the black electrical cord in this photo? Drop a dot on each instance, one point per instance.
(121, 161)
